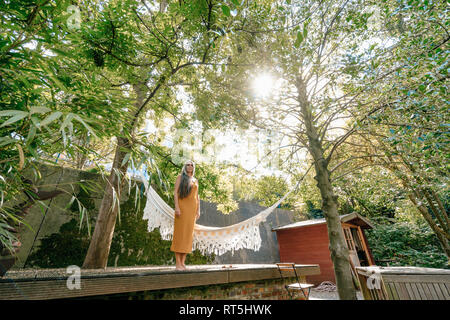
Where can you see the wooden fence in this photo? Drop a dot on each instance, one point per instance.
(404, 283)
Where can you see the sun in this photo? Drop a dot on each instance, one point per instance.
(262, 85)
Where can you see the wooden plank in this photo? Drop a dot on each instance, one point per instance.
(366, 250)
(426, 291)
(289, 265)
(384, 290)
(422, 294)
(444, 290)
(376, 293)
(52, 289)
(432, 291)
(252, 275)
(404, 291)
(438, 291)
(396, 290)
(389, 293)
(393, 291)
(416, 278)
(42, 284)
(416, 292)
(363, 282)
(372, 295)
(379, 294)
(408, 271)
(410, 291)
(269, 273)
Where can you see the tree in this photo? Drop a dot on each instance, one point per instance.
(298, 44)
(409, 137)
(49, 98)
(155, 50)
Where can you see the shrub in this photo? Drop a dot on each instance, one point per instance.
(406, 244)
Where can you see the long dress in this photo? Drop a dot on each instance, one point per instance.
(183, 228)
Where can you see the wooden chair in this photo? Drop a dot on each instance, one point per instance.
(287, 270)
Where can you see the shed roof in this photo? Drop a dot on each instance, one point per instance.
(352, 218)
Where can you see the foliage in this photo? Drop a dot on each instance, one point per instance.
(372, 192)
(269, 189)
(406, 244)
(406, 106)
(312, 212)
(51, 100)
(59, 250)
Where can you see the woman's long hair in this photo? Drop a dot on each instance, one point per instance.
(185, 183)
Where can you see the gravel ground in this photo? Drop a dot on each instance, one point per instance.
(327, 295)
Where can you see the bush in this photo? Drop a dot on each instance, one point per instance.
(406, 244)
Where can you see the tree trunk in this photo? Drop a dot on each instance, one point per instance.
(439, 233)
(417, 199)
(338, 248)
(98, 252)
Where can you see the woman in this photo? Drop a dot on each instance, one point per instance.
(187, 211)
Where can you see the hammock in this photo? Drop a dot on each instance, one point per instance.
(207, 240)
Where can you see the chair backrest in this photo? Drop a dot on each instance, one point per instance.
(287, 270)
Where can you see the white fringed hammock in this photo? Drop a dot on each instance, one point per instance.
(207, 240)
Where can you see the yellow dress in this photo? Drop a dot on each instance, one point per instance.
(183, 228)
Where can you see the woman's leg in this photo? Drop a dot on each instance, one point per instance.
(178, 261)
(183, 259)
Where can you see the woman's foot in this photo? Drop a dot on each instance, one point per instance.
(179, 268)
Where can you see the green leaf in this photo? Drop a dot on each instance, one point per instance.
(14, 119)
(6, 113)
(77, 117)
(125, 159)
(55, 115)
(63, 132)
(6, 140)
(31, 135)
(226, 10)
(299, 39)
(67, 120)
(39, 110)
(235, 2)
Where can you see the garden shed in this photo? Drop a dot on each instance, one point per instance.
(307, 242)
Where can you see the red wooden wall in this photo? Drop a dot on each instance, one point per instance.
(307, 245)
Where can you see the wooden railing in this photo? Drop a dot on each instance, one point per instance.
(404, 283)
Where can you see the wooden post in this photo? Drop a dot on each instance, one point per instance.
(366, 250)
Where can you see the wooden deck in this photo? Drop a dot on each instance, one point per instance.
(404, 283)
(40, 284)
